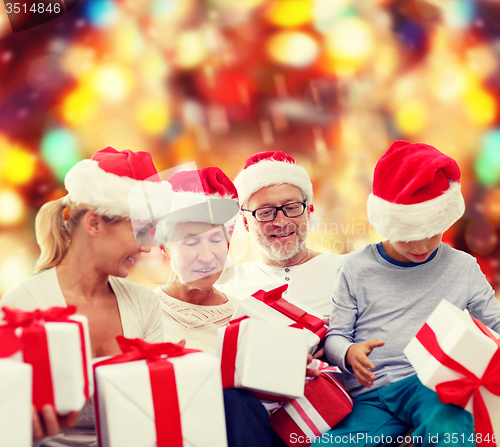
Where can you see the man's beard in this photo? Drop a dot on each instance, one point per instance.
(276, 250)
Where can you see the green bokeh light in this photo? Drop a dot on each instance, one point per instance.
(59, 148)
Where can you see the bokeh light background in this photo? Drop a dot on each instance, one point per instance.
(331, 82)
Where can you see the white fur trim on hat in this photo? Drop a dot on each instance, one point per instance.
(188, 206)
(272, 172)
(404, 223)
(116, 196)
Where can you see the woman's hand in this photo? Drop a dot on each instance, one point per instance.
(48, 423)
(357, 357)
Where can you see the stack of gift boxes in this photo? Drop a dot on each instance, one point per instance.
(163, 394)
(45, 360)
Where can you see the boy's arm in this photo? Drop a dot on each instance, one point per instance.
(340, 335)
(340, 345)
(482, 303)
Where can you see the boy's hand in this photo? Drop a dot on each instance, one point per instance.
(357, 357)
(48, 423)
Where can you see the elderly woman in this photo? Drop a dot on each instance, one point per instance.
(195, 238)
(87, 246)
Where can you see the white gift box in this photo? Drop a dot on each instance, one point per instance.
(270, 358)
(462, 340)
(70, 368)
(15, 404)
(125, 401)
(254, 308)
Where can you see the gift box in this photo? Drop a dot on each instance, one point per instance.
(159, 395)
(263, 357)
(325, 403)
(459, 358)
(56, 344)
(273, 308)
(15, 404)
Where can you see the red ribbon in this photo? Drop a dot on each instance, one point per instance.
(229, 351)
(460, 391)
(163, 385)
(33, 343)
(303, 320)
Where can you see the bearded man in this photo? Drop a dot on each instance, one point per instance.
(276, 201)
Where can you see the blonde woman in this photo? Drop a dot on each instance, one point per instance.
(89, 239)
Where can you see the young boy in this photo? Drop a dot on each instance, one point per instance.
(385, 292)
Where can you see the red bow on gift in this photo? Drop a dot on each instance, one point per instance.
(274, 299)
(459, 391)
(10, 343)
(163, 385)
(33, 343)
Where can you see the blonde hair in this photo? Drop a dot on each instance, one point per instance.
(53, 232)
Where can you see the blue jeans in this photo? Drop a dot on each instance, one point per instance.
(384, 416)
(247, 422)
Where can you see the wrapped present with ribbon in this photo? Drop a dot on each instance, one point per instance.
(299, 422)
(56, 344)
(459, 357)
(15, 403)
(267, 359)
(159, 395)
(273, 308)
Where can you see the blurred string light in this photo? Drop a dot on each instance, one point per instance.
(290, 13)
(127, 40)
(153, 116)
(17, 165)
(190, 49)
(349, 44)
(16, 259)
(458, 14)
(480, 236)
(411, 116)
(12, 208)
(491, 204)
(326, 11)
(487, 165)
(101, 13)
(242, 5)
(160, 8)
(479, 104)
(293, 48)
(112, 82)
(78, 60)
(79, 106)
(59, 149)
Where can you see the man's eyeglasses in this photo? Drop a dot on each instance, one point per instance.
(294, 209)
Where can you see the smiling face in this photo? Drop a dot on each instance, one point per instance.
(199, 254)
(282, 240)
(118, 247)
(413, 251)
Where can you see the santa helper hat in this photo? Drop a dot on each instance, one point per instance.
(416, 193)
(274, 168)
(206, 195)
(119, 184)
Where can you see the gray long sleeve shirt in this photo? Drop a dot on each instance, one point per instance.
(375, 299)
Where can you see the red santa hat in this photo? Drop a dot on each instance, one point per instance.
(119, 184)
(416, 193)
(205, 195)
(274, 168)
